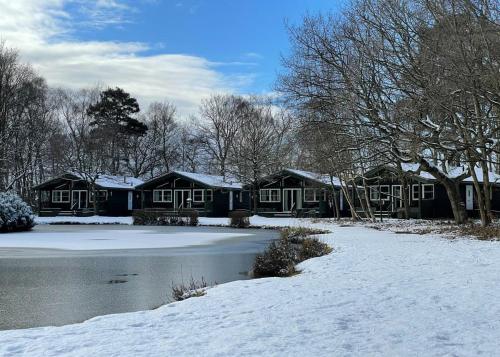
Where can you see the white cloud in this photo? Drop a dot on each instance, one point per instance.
(42, 31)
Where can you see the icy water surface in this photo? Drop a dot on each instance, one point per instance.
(41, 287)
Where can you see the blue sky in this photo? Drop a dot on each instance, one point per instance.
(152, 47)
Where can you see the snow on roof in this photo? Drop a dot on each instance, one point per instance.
(211, 180)
(413, 168)
(118, 182)
(321, 178)
(452, 173)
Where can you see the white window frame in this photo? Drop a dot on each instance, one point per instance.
(378, 190)
(386, 194)
(60, 200)
(413, 191)
(269, 195)
(91, 195)
(315, 194)
(423, 191)
(162, 196)
(210, 195)
(202, 195)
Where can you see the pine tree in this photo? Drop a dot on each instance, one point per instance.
(113, 119)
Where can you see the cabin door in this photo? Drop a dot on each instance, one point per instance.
(182, 199)
(291, 199)
(397, 201)
(78, 199)
(469, 197)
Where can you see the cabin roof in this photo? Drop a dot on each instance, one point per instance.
(453, 172)
(320, 178)
(103, 181)
(308, 175)
(204, 179)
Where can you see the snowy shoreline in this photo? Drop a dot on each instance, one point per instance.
(378, 293)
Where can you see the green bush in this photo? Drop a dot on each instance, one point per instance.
(239, 219)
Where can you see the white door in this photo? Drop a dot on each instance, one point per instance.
(78, 199)
(469, 197)
(291, 199)
(182, 199)
(130, 200)
(397, 201)
(231, 200)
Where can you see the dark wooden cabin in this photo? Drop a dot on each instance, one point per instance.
(299, 193)
(69, 195)
(177, 191)
(427, 198)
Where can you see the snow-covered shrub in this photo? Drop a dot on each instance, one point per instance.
(193, 289)
(193, 217)
(294, 246)
(154, 218)
(312, 248)
(296, 235)
(15, 214)
(239, 219)
(277, 260)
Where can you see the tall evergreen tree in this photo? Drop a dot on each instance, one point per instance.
(112, 118)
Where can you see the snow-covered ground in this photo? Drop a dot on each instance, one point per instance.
(378, 293)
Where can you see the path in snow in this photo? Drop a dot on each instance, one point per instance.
(378, 293)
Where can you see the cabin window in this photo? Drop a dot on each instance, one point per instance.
(198, 196)
(162, 195)
(270, 195)
(428, 192)
(60, 196)
(311, 195)
(379, 193)
(385, 192)
(102, 195)
(210, 195)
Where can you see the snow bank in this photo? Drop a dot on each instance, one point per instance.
(379, 293)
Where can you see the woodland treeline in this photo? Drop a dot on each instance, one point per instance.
(397, 82)
(383, 82)
(48, 131)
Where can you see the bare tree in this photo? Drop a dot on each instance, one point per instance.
(218, 126)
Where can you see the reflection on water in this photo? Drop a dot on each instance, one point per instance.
(42, 287)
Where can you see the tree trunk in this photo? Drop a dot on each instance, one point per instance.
(255, 190)
(347, 197)
(336, 203)
(452, 189)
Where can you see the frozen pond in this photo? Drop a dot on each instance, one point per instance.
(40, 287)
